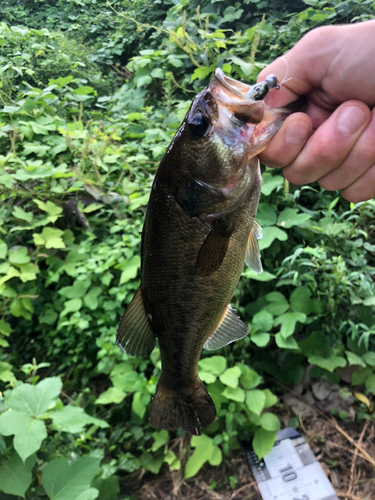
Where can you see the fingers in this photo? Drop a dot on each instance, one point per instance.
(360, 159)
(330, 145)
(288, 142)
(363, 189)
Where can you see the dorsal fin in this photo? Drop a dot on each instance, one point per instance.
(134, 334)
(231, 328)
(214, 248)
(252, 257)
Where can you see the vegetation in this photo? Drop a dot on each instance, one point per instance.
(91, 95)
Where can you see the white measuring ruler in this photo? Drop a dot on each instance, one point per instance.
(290, 471)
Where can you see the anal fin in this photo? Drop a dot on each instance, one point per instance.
(134, 335)
(252, 257)
(231, 328)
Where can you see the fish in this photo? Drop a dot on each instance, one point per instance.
(199, 230)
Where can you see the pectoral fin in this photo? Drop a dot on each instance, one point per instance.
(231, 328)
(213, 250)
(252, 257)
(134, 334)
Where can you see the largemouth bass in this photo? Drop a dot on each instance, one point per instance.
(199, 230)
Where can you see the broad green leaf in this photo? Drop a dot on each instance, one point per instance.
(130, 269)
(369, 301)
(111, 395)
(202, 454)
(300, 301)
(28, 272)
(246, 67)
(63, 481)
(19, 213)
(354, 359)
(73, 419)
(5, 328)
(361, 375)
(285, 343)
(291, 217)
(255, 401)
(277, 303)
(91, 298)
(271, 182)
(370, 383)
(330, 363)
(264, 276)
(50, 238)
(213, 364)
(270, 234)
(266, 215)
(160, 439)
(230, 376)
(249, 378)
(263, 321)
(260, 339)
(7, 180)
(369, 358)
(234, 394)
(28, 432)
(107, 487)
(263, 441)
(139, 403)
(35, 399)
(85, 90)
(288, 323)
(15, 476)
(206, 377)
(3, 249)
(72, 305)
(271, 399)
(216, 457)
(77, 290)
(269, 422)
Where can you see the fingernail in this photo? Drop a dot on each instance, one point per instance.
(350, 120)
(297, 132)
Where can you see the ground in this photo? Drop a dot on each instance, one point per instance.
(344, 448)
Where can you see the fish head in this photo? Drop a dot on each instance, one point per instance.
(216, 147)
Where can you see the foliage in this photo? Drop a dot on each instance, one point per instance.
(79, 148)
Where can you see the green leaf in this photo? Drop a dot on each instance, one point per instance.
(213, 364)
(360, 376)
(271, 182)
(249, 378)
(108, 487)
(278, 303)
(255, 401)
(370, 383)
(160, 439)
(270, 234)
(157, 73)
(260, 339)
(204, 448)
(130, 269)
(28, 432)
(288, 323)
(263, 321)
(73, 419)
(354, 359)
(230, 376)
(111, 395)
(330, 363)
(368, 357)
(85, 90)
(65, 482)
(3, 249)
(6, 180)
(72, 305)
(285, 343)
(50, 238)
(35, 399)
(91, 299)
(291, 217)
(266, 215)
(300, 301)
(15, 476)
(18, 213)
(269, 422)
(77, 290)
(139, 404)
(264, 276)
(263, 442)
(271, 399)
(369, 301)
(234, 394)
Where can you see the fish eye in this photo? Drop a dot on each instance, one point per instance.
(198, 125)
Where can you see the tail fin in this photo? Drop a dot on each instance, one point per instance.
(188, 409)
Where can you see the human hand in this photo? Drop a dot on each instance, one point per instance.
(334, 67)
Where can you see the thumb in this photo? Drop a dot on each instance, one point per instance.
(303, 67)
